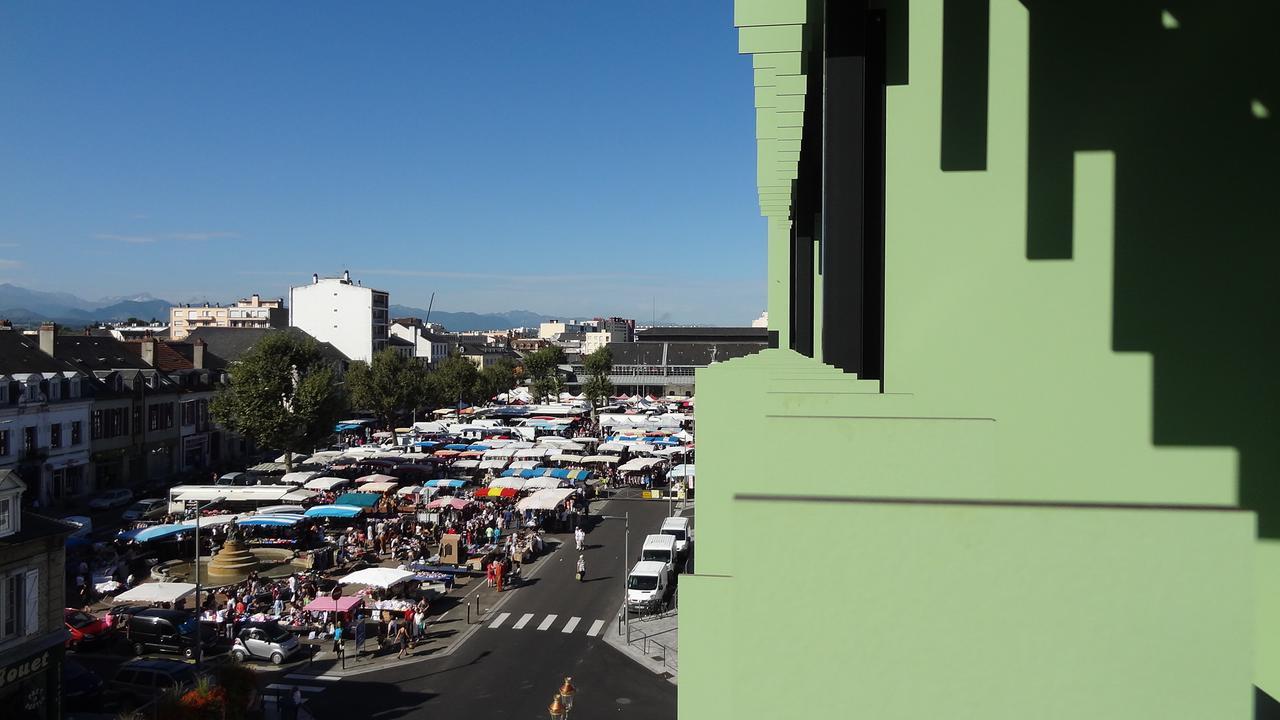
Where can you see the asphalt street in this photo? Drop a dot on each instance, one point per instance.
(512, 663)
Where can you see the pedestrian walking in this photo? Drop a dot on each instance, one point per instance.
(402, 639)
(580, 538)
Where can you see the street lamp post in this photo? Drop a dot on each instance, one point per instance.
(199, 627)
(626, 558)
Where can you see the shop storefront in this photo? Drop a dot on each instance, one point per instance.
(31, 684)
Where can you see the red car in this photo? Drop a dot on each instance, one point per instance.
(83, 628)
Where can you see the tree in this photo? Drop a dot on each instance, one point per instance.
(598, 365)
(282, 395)
(496, 379)
(543, 371)
(389, 387)
(455, 379)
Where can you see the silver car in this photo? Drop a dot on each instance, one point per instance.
(148, 509)
(118, 497)
(264, 641)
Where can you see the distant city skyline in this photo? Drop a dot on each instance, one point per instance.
(216, 151)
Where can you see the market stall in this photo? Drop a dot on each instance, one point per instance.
(299, 477)
(547, 499)
(154, 593)
(489, 493)
(326, 484)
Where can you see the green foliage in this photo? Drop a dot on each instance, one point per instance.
(262, 403)
(598, 366)
(389, 387)
(496, 379)
(455, 379)
(540, 366)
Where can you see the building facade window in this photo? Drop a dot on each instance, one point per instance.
(30, 439)
(95, 425)
(19, 604)
(55, 435)
(76, 437)
(6, 516)
(4, 443)
(153, 417)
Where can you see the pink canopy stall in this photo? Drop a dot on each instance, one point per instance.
(328, 604)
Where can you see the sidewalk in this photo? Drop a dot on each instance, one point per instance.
(654, 642)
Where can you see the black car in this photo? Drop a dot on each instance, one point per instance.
(172, 631)
(81, 688)
(141, 680)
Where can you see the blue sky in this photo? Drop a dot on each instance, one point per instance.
(571, 158)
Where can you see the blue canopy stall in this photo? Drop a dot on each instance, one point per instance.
(358, 499)
(271, 520)
(446, 483)
(335, 511)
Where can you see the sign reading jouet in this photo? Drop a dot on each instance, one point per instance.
(20, 670)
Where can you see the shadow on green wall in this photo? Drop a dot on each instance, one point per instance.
(1186, 96)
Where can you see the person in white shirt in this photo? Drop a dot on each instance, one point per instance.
(579, 537)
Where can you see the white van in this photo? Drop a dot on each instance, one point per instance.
(678, 527)
(648, 587)
(659, 547)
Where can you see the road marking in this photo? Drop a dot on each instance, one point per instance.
(322, 678)
(595, 628)
(303, 688)
(524, 620)
(547, 623)
(501, 618)
(569, 626)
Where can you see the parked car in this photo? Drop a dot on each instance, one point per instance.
(146, 509)
(172, 631)
(81, 687)
(648, 586)
(264, 641)
(116, 497)
(143, 679)
(237, 478)
(84, 629)
(83, 523)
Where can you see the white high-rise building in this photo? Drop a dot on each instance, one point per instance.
(351, 317)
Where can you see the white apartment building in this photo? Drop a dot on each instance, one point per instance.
(253, 312)
(428, 346)
(555, 328)
(351, 317)
(593, 341)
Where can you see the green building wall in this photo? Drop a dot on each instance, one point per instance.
(994, 533)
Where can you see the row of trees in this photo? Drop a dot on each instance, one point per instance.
(284, 394)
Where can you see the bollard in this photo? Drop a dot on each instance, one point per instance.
(478, 613)
(468, 614)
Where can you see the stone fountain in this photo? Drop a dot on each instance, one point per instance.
(234, 560)
(231, 564)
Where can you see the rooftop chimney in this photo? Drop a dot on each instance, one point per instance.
(256, 299)
(149, 350)
(346, 276)
(315, 278)
(48, 334)
(197, 354)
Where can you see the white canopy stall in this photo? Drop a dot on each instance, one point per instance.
(548, 499)
(155, 592)
(382, 577)
(325, 484)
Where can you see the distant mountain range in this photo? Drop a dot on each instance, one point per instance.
(469, 321)
(24, 306)
(27, 307)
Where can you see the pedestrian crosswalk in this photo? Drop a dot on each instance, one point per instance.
(550, 622)
(277, 696)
